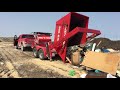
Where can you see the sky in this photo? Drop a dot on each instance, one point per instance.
(16, 23)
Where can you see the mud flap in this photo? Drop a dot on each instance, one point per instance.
(106, 62)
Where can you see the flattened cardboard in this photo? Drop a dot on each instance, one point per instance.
(106, 62)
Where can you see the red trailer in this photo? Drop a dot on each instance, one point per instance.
(72, 29)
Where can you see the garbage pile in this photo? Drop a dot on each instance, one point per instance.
(98, 62)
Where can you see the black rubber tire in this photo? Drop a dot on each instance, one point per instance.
(41, 54)
(22, 47)
(35, 53)
(15, 41)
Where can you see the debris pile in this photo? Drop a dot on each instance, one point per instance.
(105, 42)
(99, 62)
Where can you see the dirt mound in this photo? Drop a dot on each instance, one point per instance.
(6, 39)
(107, 43)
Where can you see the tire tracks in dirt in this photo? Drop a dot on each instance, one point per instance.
(18, 58)
(55, 66)
(9, 64)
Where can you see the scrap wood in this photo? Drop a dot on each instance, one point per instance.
(99, 43)
(68, 60)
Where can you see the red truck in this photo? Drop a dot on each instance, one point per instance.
(23, 41)
(40, 45)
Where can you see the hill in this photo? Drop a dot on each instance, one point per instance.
(107, 43)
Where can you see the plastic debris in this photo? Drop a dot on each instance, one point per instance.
(110, 76)
(75, 67)
(97, 50)
(83, 75)
(97, 71)
(72, 72)
(93, 48)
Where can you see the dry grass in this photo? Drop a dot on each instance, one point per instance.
(6, 39)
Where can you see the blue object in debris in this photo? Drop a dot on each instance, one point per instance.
(97, 71)
(105, 51)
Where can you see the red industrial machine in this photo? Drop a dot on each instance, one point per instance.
(40, 45)
(71, 30)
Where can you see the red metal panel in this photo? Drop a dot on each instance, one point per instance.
(75, 31)
(70, 30)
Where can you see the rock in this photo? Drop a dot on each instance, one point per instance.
(49, 71)
(1, 63)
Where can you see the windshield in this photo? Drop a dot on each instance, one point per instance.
(27, 36)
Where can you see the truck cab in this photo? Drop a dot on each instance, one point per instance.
(23, 41)
(41, 45)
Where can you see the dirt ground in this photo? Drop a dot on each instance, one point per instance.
(17, 64)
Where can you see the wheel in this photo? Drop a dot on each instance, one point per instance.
(22, 47)
(41, 54)
(35, 53)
